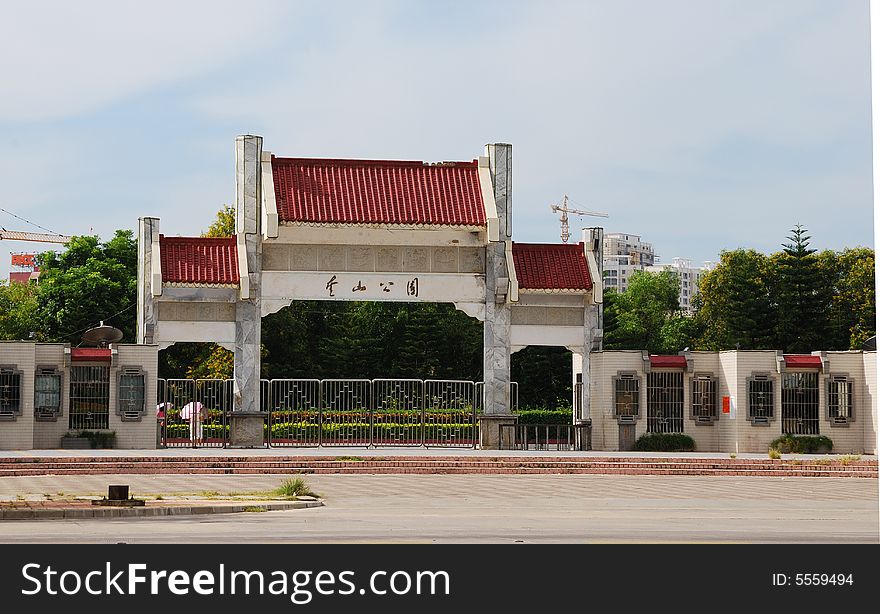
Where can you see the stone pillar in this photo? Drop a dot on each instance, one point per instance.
(148, 236)
(496, 327)
(246, 420)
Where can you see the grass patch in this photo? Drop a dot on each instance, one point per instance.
(849, 459)
(774, 454)
(255, 508)
(293, 487)
(350, 458)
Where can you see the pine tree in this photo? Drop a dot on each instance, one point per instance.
(802, 298)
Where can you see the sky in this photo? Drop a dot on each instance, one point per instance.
(700, 125)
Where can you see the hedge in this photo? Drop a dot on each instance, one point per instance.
(97, 439)
(544, 416)
(665, 442)
(802, 444)
(298, 430)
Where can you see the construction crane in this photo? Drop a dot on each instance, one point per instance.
(564, 210)
(36, 237)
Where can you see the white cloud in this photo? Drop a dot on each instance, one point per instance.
(68, 58)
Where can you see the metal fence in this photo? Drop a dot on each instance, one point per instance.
(800, 403)
(330, 412)
(556, 437)
(192, 413)
(665, 402)
(89, 398)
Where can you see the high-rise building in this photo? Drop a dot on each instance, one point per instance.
(688, 278)
(623, 254)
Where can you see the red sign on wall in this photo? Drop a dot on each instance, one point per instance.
(28, 260)
(725, 405)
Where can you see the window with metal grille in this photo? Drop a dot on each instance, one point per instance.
(760, 398)
(89, 397)
(704, 399)
(131, 404)
(10, 393)
(800, 403)
(666, 402)
(626, 397)
(840, 400)
(47, 394)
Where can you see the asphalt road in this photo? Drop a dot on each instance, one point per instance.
(485, 508)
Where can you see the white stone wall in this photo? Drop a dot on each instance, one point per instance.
(734, 432)
(136, 435)
(49, 434)
(870, 402)
(25, 433)
(18, 434)
(849, 438)
(706, 435)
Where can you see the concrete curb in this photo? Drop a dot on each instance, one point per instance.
(80, 513)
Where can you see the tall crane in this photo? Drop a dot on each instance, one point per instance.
(37, 237)
(564, 210)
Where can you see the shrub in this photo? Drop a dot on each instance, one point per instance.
(544, 416)
(774, 453)
(665, 442)
(802, 444)
(97, 439)
(293, 487)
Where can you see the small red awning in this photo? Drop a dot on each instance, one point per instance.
(679, 362)
(803, 361)
(90, 354)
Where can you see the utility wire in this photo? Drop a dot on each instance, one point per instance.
(30, 222)
(107, 319)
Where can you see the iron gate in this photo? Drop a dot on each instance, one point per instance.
(192, 413)
(294, 407)
(450, 418)
(666, 402)
(800, 403)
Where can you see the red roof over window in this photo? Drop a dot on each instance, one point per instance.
(199, 260)
(658, 361)
(90, 354)
(551, 266)
(803, 361)
(391, 192)
(19, 277)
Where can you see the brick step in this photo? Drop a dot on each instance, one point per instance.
(272, 459)
(446, 470)
(425, 465)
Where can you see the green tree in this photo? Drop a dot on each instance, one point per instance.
(18, 311)
(802, 295)
(544, 377)
(646, 316)
(224, 224)
(849, 276)
(90, 281)
(735, 306)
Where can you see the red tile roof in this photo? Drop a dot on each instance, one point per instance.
(199, 260)
(668, 361)
(551, 266)
(391, 192)
(803, 360)
(91, 354)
